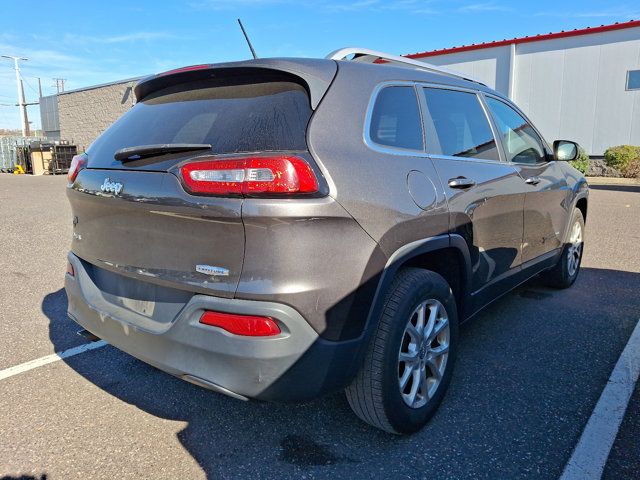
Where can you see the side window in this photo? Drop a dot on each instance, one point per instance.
(457, 126)
(521, 142)
(395, 120)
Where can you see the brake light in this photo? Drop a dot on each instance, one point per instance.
(246, 325)
(250, 176)
(78, 162)
(184, 69)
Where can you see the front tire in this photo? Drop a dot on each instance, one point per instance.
(564, 274)
(410, 358)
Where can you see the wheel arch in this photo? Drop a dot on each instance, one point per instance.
(437, 254)
(581, 196)
(582, 204)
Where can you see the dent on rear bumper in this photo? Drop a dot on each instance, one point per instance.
(263, 368)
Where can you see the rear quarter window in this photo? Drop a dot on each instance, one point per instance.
(395, 119)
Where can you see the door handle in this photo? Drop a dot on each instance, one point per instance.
(461, 182)
(532, 180)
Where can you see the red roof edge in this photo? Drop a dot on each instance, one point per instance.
(535, 38)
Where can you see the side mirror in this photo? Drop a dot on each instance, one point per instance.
(565, 150)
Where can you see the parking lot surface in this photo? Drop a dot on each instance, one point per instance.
(530, 370)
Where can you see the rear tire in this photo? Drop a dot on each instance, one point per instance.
(564, 274)
(410, 358)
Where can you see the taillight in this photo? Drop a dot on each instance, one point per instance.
(246, 325)
(78, 162)
(250, 176)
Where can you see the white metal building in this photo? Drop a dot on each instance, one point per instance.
(581, 85)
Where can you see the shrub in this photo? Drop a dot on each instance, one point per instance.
(581, 163)
(633, 169)
(620, 157)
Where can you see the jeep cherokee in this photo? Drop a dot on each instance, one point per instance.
(278, 229)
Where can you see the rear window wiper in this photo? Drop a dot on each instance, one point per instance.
(141, 151)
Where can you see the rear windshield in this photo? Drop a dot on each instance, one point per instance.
(245, 117)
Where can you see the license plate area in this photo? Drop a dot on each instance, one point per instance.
(156, 302)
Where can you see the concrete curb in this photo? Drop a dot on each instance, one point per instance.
(613, 181)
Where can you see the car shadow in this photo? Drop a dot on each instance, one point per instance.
(503, 397)
(222, 433)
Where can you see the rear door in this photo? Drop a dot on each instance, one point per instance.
(485, 195)
(545, 214)
(150, 227)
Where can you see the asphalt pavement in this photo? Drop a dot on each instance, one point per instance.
(530, 370)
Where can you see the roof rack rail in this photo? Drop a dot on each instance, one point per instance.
(371, 56)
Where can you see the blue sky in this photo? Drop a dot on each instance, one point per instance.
(95, 42)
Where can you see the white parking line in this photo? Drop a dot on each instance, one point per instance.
(38, 362)
(590, 455)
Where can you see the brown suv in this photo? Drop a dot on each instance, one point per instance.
(282, 228)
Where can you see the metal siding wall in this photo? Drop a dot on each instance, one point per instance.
(613, 125)
(535, 74)
(49, 113)
(572, 88)
(635, 119)
(490, 65)
(579, 102)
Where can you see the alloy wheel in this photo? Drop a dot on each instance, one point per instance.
(423, 354)
(574, 252)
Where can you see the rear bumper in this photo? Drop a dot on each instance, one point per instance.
(296, 365)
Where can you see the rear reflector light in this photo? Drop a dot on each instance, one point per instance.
(78, 162)
(247, 325)
(70, 270)
(250, 176)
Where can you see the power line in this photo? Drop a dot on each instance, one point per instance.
(28, 84)
(60, 84)
(5, 118)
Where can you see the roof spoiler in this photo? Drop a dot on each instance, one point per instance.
(316, 75)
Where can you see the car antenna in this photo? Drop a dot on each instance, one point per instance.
(244, 32)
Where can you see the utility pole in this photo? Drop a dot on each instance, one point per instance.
(60, 84)
(26, 129)
(21, 102)
(39, 88)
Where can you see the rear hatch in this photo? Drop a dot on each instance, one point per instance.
(134, 216)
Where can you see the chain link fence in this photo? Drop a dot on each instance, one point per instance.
(8, 149)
